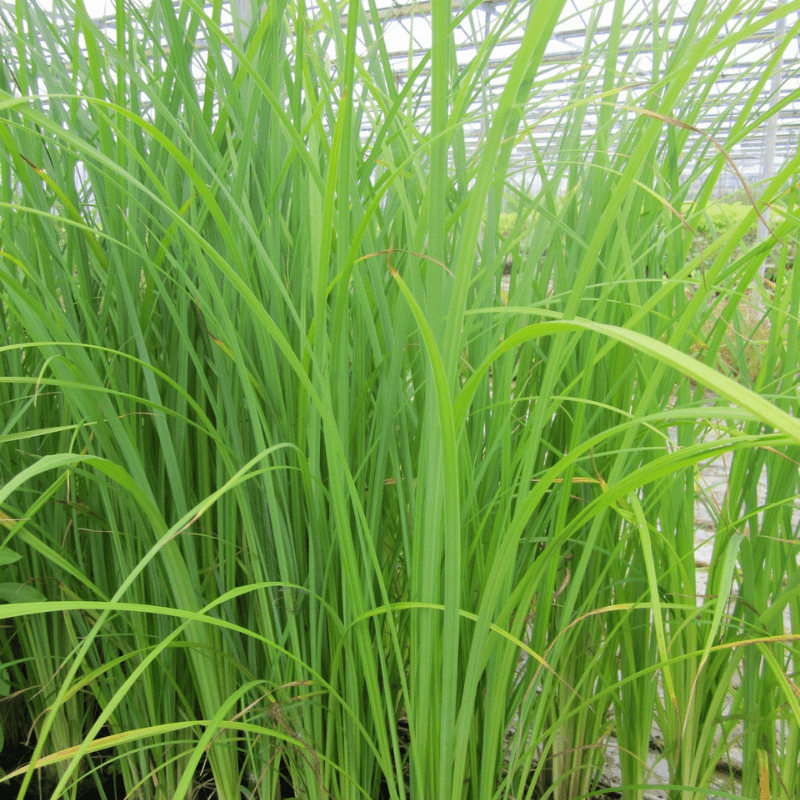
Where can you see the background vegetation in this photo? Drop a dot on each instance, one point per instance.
(315, 481)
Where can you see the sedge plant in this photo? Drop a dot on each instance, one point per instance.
(312, 482)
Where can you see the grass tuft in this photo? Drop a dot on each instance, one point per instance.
(342, 460)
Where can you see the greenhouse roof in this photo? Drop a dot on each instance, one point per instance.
(576, 52)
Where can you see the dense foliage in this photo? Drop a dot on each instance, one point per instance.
(314, 481)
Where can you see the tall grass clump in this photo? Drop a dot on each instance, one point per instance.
(301, 495)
